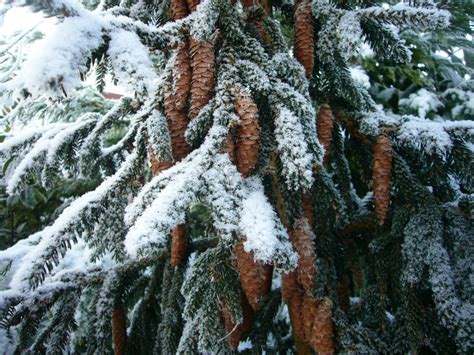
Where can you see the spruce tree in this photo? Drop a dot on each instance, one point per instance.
(253, 197)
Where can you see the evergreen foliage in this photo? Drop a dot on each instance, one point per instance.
(311, 218)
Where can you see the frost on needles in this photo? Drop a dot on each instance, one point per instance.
(279, 242)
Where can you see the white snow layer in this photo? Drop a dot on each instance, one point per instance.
(58, 60)
(131, 62)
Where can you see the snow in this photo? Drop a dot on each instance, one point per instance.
(131, 62)
(360, 76)
(37, 152)
(56, 61)
(265, 235)
(296, 158)
(423, 102)
(60, 231)
(431, 136)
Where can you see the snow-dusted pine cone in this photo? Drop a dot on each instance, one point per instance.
(296, 310)
(119, 329)
(179, 244)
(325, 126)
(178, 9)
(289, 286)
(304, 36)
(229, 147)
(382, 175)
(255, 277)
(177, 123)
(303, 239)
(156, 165)
(248, 142)
(203, 75)
(309, 313)
(192, 4)
(322, 340)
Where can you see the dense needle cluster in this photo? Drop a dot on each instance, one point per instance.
(234, 197)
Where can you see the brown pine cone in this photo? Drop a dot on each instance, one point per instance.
(192, 4)
(178, 9)
(308, 211)
(234, 333)
(382, 176)
(323, 334)
(289, 286)
(325, 126)
(119, 329)
(304, 36)
(179, 244)
(296, 311)
(177, 123)
(203, 75)
(309, 312)
(229, 147)
(255, 277)
(303, 239)
(182, 75)
(156, 165)
(249, 133)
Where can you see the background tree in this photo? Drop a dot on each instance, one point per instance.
(251, 199)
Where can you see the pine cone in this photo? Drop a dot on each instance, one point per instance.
(308, 211)
(229, 147)
(158, 166)
(249, 133)
(255, 277)
(303, 239)
(309, 313)
(177, 123)
(119, 329)
(233, 333)
(382, 175)
(178, 9)
(203, 72)
(304, 36)
(179, 244)
(192, 5)
(289, 286)
(323, 333)
(325, 125)
(296, 311)
(182, 75)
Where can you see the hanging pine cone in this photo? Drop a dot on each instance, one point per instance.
(382, 175)
(255, 277)
(323, 333)
(177, 123)
(344, 292)
(182, 75)
(289, 285)
(309, 313)
(303, 239)
(179, 244)
(325, 125)
(119, 329)
(178, 9)
(229, 147)
(304, 36)
(192, 5)
(249, 133)
(234, 333)
(156, 165)
(203, 72)
(296, 311)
